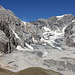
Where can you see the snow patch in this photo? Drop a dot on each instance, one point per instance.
(19, 48)
(46, 29)
(0, 54)
(64, 29)
(73, 21)
(16, 35)
(60, 17)
(59, 48)
(24, 22)
(22, 49)
(45, 54)
(29, 46)
(35, 41)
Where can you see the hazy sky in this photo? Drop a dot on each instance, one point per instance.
(31, 10)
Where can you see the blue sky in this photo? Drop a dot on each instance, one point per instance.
(31, 10)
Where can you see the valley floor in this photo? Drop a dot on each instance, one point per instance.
(59, 61)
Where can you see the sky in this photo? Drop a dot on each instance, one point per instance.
(31, 10)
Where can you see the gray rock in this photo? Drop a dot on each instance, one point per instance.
(13, 28)
(70, 34)
(4, 43)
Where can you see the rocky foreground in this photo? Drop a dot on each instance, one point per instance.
(30, 71)
(46, 43)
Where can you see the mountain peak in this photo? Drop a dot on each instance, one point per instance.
(1, 7)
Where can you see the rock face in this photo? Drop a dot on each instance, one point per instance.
(4, 42)
(70, 34)
(12, 30)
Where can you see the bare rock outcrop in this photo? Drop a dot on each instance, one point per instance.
(13, 28)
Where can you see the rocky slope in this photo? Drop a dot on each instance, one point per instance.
(13, 31)
(30, 71)
(47, 43)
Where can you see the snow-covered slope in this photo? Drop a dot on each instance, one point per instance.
(52, 30)
(50, 36)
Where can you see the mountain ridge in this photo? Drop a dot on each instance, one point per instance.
(36, 31)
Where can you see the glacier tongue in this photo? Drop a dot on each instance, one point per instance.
(50, 37)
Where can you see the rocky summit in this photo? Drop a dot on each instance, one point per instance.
(46, 43)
